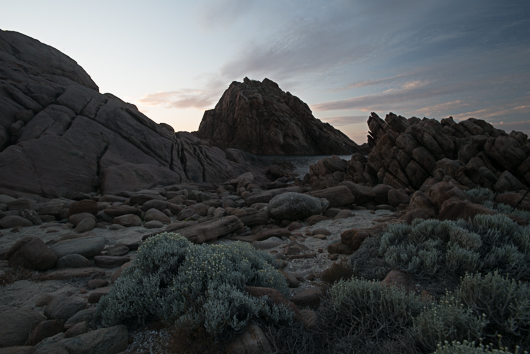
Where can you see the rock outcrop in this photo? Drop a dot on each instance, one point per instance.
(260, 118)
(59, 136)
(414, 153)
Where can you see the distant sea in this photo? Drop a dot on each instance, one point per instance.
(301, 163)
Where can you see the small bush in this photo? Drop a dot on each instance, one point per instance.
(480, 195)
(446, 321)
(503, 302)
(467, 348)
(486, 197)
(194, 286)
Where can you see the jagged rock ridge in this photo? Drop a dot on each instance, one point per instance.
(411, 153)
(260, 118)
(59, 136)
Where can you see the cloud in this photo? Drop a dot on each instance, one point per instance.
(199, 99)
(222, 13)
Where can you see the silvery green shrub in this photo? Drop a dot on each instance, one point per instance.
(486, 197)
(194, 286)
(435, 251)
(467, 348)
(504, 304)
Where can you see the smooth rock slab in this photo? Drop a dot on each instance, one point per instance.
(110, 340)
(210, 230)
(110, 261)
(43, 330)
(309, 297)
(63, 307)
(90, 272)
(73, 261)
(128, 220)
(31, 253)
(155, 214)
(20, 323)
(85, 246)
(10, 221)
(85, 225)
(82, 316)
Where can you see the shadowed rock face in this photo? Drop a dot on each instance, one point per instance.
(260, 118)
(412, 153)
(59, 136)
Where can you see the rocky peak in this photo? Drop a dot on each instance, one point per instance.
(260, 118)
(30, 56)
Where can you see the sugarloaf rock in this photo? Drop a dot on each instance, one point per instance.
(59, 136)
(260, 118)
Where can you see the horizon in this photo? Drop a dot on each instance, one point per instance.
(345, 60)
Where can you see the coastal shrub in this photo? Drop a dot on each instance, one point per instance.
(360, 316)
(486, 197)
(442, 251)
(194, 286)
(505, 305)
(480, 195)
(468, 348)
(447, 320)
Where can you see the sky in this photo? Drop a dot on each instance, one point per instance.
(345, 59)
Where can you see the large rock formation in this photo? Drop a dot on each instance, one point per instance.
(260, 118)
(60, 136)
(411, 153)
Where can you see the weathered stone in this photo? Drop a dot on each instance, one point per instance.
(211, 230)
(122, 210)
(110, 340)
(83, 315)
(85, 246)
(75, 219)
(337, 196)
(77, 329)
(10, 221)
(154, 224)
(43, 330)
(252, 341)
(20, 321)
(73, 273)
(157, 215)
(73, 261)
(96, 295)
(128, 220)
(268, 233)
(63, 307)
(291, 279)
(31, 215)
(400, 279)
(110, 261)
(296, 206)
(31, 253)
(83, 206)
(85, 225)
(309, 297)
